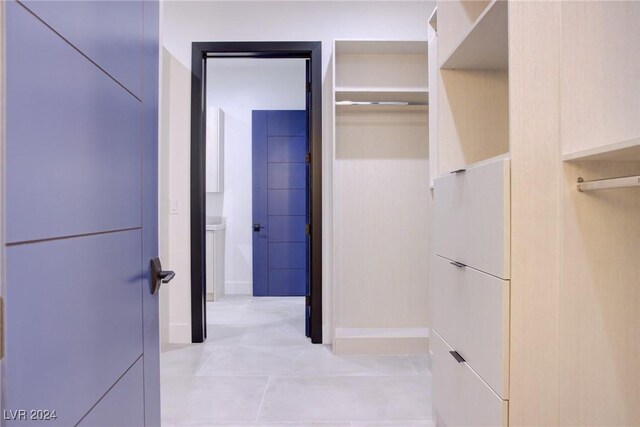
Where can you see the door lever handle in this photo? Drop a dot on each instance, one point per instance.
(167, 275)
(257, 227)
(159, 276)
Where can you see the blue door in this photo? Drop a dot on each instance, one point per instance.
(81, 325)
(280, 203)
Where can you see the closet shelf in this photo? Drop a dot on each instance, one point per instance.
(628, 150)
(382, 94)
(485, 46)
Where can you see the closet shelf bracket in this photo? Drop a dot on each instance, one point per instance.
(604, 184)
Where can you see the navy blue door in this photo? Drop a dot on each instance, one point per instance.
(280, 203)
(81, 214)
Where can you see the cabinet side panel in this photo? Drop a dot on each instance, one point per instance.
(381, 253)
(535, 183)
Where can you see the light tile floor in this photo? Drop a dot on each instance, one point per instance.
(258, 369)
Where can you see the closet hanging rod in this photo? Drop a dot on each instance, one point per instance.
(603, 184)
(383, 103)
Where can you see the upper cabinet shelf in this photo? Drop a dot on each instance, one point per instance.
(628, 150)
(380, 65)
(485, 44)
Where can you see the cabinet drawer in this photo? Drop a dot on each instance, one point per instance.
(460, 397)
(472, 217)
(471, 312)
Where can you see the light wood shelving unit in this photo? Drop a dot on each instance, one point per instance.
(380, 197)
(553, 87)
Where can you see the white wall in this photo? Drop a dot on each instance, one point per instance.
(184, 22)
(239, 86)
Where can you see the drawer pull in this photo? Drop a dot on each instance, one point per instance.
(458, 264)
(457, 356)
(459, 171)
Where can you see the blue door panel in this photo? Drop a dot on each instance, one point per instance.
(73, 157)
(287, 149)
(280, 194)
(287, 255)
(124, 405)
(287, 202)
(287, 123)
(76, 307)
(287, 228)
(286, 282)
(108, 32)
(260, 203)
(287, 175)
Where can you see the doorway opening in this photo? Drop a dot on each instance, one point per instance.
(291, 167)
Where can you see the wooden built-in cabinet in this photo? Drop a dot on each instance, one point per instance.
(380, 196)
(471, 271)
(536, 286)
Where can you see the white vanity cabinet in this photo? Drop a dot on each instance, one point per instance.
(215, 150)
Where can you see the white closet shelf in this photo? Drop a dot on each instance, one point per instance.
(485, 45)
(388, 94)
(628, 150)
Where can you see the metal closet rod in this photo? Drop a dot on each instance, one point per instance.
(387, 103)
(604, 184)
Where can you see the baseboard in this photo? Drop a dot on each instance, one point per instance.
(179, 333)
(238, 288)
(381, 341)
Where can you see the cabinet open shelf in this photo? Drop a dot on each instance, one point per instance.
(383, 94)
(628, 150)
(485, 45)
(380, 66)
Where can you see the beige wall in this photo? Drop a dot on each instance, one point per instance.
(185, 22)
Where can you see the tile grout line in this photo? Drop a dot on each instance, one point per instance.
(263, 396)
(412, 365)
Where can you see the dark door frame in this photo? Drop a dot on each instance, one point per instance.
(200, 52)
